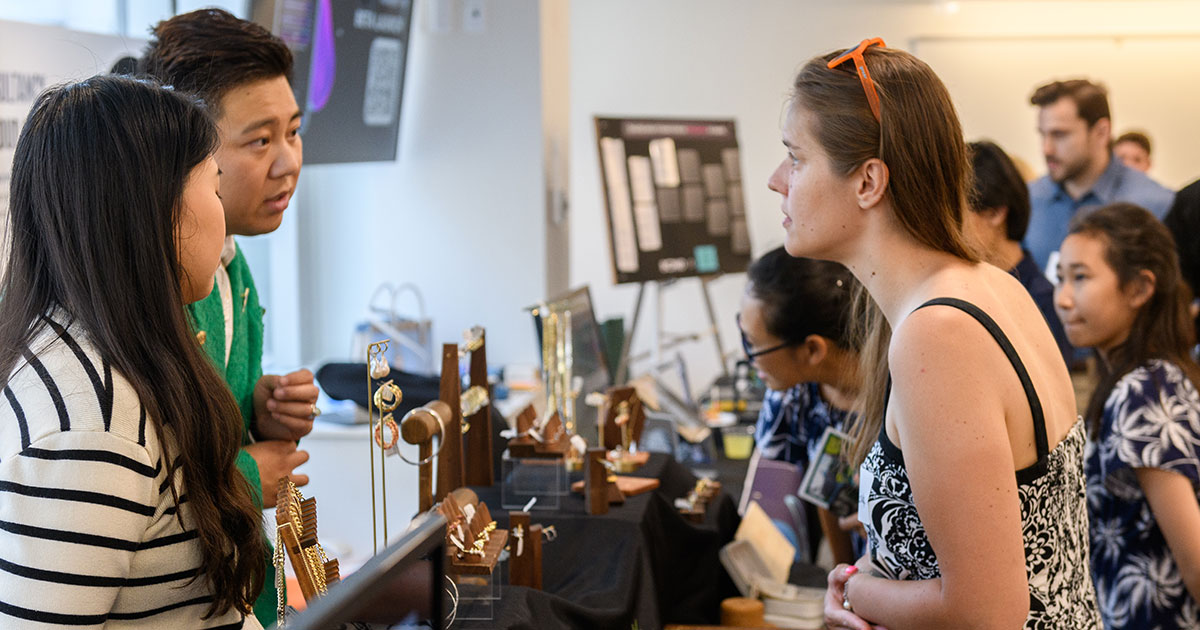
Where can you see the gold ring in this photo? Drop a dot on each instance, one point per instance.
(316, 411)
(383, 403)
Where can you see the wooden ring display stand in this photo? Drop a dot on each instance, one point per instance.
(698, 498)
(555, 441)
(459, 560)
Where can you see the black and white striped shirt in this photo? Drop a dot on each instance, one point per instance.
(88, 529)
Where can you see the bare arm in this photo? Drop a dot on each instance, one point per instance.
(948, 406)
(1172, 499)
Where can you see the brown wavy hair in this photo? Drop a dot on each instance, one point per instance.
(96, 198)
(1135, 241)
(920, 140)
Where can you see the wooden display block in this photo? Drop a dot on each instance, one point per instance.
(525, 551)
(628, 486)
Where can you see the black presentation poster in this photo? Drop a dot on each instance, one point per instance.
(673, 191)
(349, 73)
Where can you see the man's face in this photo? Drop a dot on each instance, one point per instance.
(260, 154)
(1133, 155)
(1068, 144)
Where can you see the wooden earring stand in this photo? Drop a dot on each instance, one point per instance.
(622, 420)
(450, 462)
(600, 488)
(477, 448)
(296, 520)
(525, 551)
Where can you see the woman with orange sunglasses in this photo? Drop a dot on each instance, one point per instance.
(972, 489)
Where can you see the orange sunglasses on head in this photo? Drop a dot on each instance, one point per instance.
(864, 75)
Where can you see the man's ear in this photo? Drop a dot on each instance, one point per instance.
(872, 182)
(1141, 288)
(1102, 130)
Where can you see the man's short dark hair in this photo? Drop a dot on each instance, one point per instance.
(1091, 99)
(210, 51)
(1136, 137)
(997, 183)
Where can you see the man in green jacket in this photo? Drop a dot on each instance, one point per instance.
(242, 72)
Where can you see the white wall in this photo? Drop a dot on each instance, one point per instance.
(459, 213)
(735, 59)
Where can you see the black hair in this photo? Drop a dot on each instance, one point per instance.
(803, 296)
(98, 178)
(210, 51)
(997, 184)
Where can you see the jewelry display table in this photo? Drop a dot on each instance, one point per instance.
(641, 561)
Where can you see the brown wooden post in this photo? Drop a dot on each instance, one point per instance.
(450, 460)
(596, 484)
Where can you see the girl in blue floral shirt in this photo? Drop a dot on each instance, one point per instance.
(1120, 291)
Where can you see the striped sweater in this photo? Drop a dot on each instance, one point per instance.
(88, 531)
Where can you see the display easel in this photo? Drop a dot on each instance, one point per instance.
(662, 340)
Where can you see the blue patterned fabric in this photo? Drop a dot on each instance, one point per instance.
(792, 421)
(1150, 420)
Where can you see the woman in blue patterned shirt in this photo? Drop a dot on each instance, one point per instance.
(1121, 292)
(794, 321)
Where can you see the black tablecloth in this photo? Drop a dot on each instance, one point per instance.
(640, 562)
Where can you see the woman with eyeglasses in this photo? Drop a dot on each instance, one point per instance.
(971, 480)
(794, 321)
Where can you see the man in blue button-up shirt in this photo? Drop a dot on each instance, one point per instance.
(1076, 131)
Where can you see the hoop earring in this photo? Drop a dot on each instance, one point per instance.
(382, 402)
(392, 428)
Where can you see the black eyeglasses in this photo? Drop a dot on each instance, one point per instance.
(748, 348)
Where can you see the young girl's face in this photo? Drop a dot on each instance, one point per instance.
(201, 231)
(1095, 311)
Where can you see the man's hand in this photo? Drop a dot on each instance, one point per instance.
(284, 406)
(276, 459)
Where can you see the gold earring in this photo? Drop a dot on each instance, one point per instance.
(393, 430)
(383, 402)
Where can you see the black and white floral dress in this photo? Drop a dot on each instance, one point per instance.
(1053, 513)
(1151, 419)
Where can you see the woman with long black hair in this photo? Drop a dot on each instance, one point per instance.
(119, 502)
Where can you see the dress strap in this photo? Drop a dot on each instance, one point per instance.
(1035, 405)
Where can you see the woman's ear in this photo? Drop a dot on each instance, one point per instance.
(817, 348)
(1141, 288)
(872, 182)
